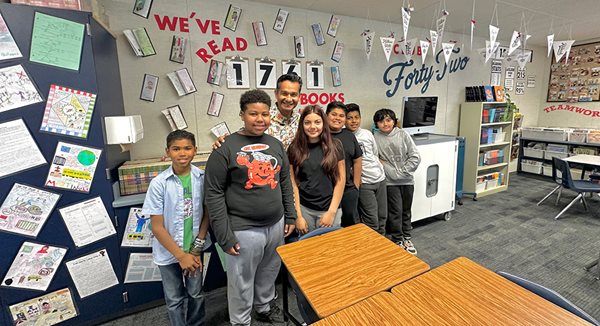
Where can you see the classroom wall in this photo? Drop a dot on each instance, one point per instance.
(362, 79)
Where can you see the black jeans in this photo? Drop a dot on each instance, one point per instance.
(399, 211)
(349, 206)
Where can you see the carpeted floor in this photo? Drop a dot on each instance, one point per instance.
(505, 231)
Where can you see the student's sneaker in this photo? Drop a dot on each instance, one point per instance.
(410, 247)
(273, 316)
(401, 244)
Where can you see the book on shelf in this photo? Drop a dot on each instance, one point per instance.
(489, 93)
(140, 42)
(499, 93)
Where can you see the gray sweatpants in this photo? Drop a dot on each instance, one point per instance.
(313, 217)
(251, 275)
(372, 205)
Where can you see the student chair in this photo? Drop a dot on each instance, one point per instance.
(581, 187)
(592, 264)
(551, 296)
(558, 180)
(306, 311)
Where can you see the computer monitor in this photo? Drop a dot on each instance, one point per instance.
(418, 115)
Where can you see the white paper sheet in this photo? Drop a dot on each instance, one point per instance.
(48, 309)
(137, 231)
(73, 167)
(141, 268)
(16, 89)
(18, 150)
(34, 266)
(87, 222)
(92, 273)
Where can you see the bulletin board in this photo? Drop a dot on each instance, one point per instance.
(578, 79)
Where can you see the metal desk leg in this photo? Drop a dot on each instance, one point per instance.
(285, 286)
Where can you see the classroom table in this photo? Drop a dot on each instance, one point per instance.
(589, 162)
(463, 292)
(381, 309)
(343, 267)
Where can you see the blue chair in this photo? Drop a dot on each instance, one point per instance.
(306, 311)
(551, 296)
(580, 186)
(558, 180)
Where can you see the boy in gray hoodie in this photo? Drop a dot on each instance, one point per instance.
(400, 158)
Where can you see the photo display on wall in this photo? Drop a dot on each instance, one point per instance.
(578, 78)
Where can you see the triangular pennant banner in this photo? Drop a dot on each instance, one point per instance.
(472, 28)
(515, 42)
(387, 43)
(424, 49)
(493, 34)
(550, 43)
(408, 48)
(441, 25)
(447, 48)
(523, 59)
(405, 20)
(490, 50)
(368, 42)
(561, 48)
(434, 39)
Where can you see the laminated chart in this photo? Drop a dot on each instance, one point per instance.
(68, 111)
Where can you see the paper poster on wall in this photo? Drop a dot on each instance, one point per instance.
(509, 84)
(73, 167)
(336, 78)
(338, 51)
(521, 73)
(318, 33)
(299, 46)
(18, 150)
(175, 118)
(149, 86)
(232, 18)
(280, 20)
(142, 8)
(215, 72)
(266, 73)
(520, 88)
(26, 209)
(314, 75)
(34, 266)
(178, 49)
(68, 112)
(140, 42)
(237, 72)
(56, 41)
(291, 66)
(182, 82)
(16, 89)
(214, 106)
(259, 33)
(531, 81)
(509, 73)
(87, 221)
(496, 73)
(49, 309)
(137, 230)
(8, 47)
(220, 129)
(92, 273)
(334, 23)
(141, 268)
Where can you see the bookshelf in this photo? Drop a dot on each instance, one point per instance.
(488, 134)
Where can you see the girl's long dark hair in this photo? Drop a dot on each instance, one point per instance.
(298, 150)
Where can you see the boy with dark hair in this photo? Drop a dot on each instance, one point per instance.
(179, 224)
(251, 204)
(336, 119)
(372, 194)
(400, 159)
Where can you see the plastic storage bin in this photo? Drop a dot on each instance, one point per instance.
(480, 186)
(577, 136)
(548, 155)
(532, 167)
(547, 134)
(533, 152)
(547, 169)
(499, 137)
(593, 137)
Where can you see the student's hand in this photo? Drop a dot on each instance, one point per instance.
(301, 225)
(189, 262)
(235, 250)
(218, 142)
(327, 219)
(289, 228)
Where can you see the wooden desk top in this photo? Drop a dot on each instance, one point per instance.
(343, 267)
(462, 292)
(378, 310)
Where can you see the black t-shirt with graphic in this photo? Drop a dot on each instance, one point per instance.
(352, 151)
(315, 188)
(247, 184)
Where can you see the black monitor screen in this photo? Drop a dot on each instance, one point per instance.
(419, 111)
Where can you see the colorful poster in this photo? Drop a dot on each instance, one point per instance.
(137, 230)
(92, 273)
(56, 41)
(18, 150)
(73, 167)
(16, 89)
(49, 309)
(26, 209)
(87, 222)
(141, 268)
(34, 266)
(8, 47)
(68, 112)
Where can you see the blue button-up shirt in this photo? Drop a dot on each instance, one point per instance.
(165, 197)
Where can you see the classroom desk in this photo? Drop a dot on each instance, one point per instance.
(592, 160)
(462, 292)
(381, 309)
(343, 267)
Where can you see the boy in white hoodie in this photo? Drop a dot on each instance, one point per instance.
(400, 158)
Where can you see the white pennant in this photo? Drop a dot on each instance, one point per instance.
(493, 34)
(387, 43)
(441, 25)
(550, 42)
(472, 28)
(424, 50)
(434, 39)
(523, 59)
(405, 20)
(368, 42)
(561, 48)
(490, 50)
(515, 42)
(447, 48)
(408, 48)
